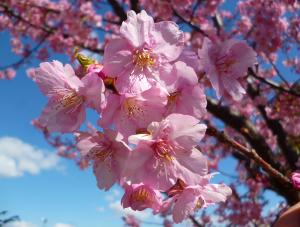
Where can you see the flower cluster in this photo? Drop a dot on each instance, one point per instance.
(151, 104)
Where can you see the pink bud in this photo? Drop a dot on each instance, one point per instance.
(296, 180)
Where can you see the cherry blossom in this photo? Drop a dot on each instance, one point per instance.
(168, 152)
(68, 95)
(135, 58)
(109, 154)
(226, 62)
(132, 113)
(296, 180)
(188, 199)
(140, 197)
(153, 90)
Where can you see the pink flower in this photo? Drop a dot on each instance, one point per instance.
(226, 62)
(140, 197)
(186, 95)
(131, 113)
(144, 46)
(296, 179)
(93, 91)
(187, 199)
(67, 95)
(189, 57)
(109, 155)
(168, 153)
(10, 73)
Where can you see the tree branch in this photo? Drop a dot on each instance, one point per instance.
(194, 27)
(243, 126)
(28, 55)
(195, 222)
(272, 84)
(46, 29)
(118, 9)
(135, 5)
(277, 129)
(251, 153)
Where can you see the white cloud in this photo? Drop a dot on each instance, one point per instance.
(100, 209)
(113, 195)
(20, 224)
(63, 225)
(142, 215)
(18, 157)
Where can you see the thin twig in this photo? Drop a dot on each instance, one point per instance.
(272, 83)
(189, 23)
(46, 29)
(28, 54)
(251, 153)
(278, 72)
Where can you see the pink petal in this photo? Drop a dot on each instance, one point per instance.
(137, 28)
(62, 120)
(104, 175)
(117, 58)
(234, 88)
(169, 40)
(195, 161)
(214, 193)
(93, 91)
(184, 206)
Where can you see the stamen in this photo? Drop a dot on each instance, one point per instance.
(141, 195)
(67, 99)
(143, 59)
(173, 97)
(224, 63)
(163, 150)
(176, 188)
(132, 109)
(103, 154)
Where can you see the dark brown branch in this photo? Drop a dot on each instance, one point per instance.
(195, 222)
(243, 126)
(277, 129)
(118, 9)
(194, 27)
(278, 182)
(251, 153)
(135, 5)
(46, 29)
(272, 83)
(278, 72)
(28, 55)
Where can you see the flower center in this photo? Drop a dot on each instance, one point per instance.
(224, 63)
(66, 99)
(131, 108)
(143, 59)
(141, 195)
(163, 150)
(71, 100)
(173, 97)
(177, 188)
(102, 155)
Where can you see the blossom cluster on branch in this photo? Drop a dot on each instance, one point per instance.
(172, 104)
(150, 102)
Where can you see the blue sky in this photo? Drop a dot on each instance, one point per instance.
(50, 188)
